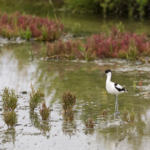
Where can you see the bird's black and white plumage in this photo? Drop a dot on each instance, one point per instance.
(113, 88)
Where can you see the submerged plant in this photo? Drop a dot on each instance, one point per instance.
(44, 111)
(89, 123)
(9, 99)
(10, 118)
(35, 98)
(68, 101)
(125, 115)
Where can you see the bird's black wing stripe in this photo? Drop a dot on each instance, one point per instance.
(119, 88)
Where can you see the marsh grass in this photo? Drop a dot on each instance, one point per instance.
(132, 51)
(36, 97)
(68, 101)
(10, 118)
(9, 99)
(89, 123)
(44, 111)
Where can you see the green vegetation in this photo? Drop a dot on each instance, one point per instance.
(125, 115)
(68, 101)
(134, 8)
(36, 97)
(44, 111)
(128, 116)
(10, 118)
(9, 99)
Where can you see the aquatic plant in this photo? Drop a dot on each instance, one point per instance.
(132, 116)
(89, 123)
(10, 118)
(117, 44)
(9, 99)
(44, 111)
(27, 26)
(68, 101)
(125, 115)
(35, 98)
(65, 50)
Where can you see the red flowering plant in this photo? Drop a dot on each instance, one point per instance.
(27, 26)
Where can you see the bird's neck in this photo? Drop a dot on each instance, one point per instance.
(108, 78)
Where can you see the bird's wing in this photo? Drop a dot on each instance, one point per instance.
(119, 87)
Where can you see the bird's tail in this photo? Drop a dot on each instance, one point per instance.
(126, 91)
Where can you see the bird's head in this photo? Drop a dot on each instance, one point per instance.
(107, 72)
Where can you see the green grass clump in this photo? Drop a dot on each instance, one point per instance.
(10, 118)
(123, 54)
(89, 123)
(44, 111)
(35, 98)
(68, 101)
(132, 52)
(26, 34)
(9, 99)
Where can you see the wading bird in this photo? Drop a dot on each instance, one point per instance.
(113, 88)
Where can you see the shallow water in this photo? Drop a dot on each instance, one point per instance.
(18, 69)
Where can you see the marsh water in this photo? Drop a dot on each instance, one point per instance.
(18, 69)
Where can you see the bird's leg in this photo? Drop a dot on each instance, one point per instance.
(116, 106)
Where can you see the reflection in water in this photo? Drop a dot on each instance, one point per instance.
(43, 126)
(9, 136)
(89, 131)
(68, 116)
(69, 129)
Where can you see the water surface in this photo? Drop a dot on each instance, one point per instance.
(18, 69)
